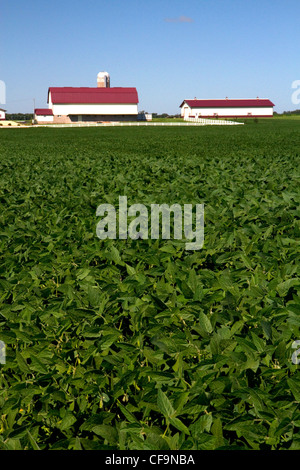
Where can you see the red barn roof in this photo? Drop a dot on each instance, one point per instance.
(83, 95)
(43, 112)
(228, 103)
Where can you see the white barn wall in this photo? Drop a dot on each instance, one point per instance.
(187, 111)
(93, 109)
(2, 115)
(43, 118)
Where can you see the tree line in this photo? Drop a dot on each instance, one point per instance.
(288, 113)
(19, 116)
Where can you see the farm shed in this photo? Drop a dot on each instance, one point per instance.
(93, 104)
(101, 103)
(227, 108)
(43, 115)
(2, 114)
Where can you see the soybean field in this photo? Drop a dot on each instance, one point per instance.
(141, 344)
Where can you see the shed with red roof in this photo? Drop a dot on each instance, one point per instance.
(229, 108)
(101, 103)
(43, 115)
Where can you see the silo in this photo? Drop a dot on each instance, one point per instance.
(103, 80)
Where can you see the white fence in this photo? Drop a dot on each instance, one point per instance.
(118, 124)
(188, 122)
(213, 122)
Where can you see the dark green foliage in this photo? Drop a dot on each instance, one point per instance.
(140, 344)
(19, 117)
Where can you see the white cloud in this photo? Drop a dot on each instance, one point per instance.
(180, 19)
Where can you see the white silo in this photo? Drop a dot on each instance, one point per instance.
(103, 80)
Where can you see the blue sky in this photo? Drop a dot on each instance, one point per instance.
(168, 49)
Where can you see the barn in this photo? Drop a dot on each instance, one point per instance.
(43, 115)
(2, 114)
(94, 104)
(229, 108)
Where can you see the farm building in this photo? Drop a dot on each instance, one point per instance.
(101, 103)
(43, 115)
(228, 108)
(2, 114)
